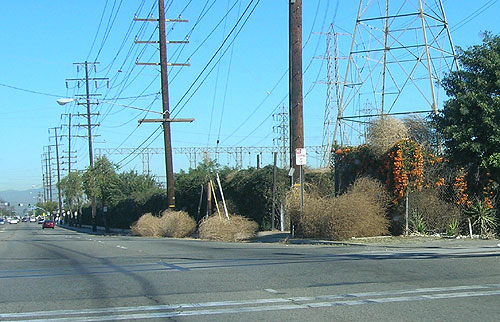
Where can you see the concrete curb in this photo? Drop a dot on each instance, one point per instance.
(277, 237)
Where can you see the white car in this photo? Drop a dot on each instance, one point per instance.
(14, 220)
(32, 219)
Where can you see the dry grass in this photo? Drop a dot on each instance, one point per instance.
(360, 212)
(384, 133)
(237, 228)
(146, 226)
(176, 224)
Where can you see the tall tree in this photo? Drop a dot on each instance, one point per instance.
(72, 191)
(136, 186)
(101, 181)
(470, 120)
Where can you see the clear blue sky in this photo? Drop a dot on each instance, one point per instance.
(234, 104)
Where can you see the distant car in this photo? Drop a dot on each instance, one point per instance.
(41, 221)
(48, 224)
(2, 221)
(14, 220)
(25, 219)
(32, 219)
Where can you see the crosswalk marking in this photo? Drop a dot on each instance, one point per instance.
(256, 305)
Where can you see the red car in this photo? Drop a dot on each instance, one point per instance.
(48, 224)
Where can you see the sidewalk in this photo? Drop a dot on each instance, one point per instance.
(274, 237)
(87, 229)
(382, 241)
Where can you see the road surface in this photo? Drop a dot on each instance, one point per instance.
(63, 275)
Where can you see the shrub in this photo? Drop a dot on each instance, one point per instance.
(310, 223)
(483, 218)
(435, 213)
(417, 223)
(453, 228)
(147, 226)
(219, 228)
(176, 224)
(360, 212)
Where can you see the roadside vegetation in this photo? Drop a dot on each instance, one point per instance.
(175, 224)
(424, 176)
(232, 229)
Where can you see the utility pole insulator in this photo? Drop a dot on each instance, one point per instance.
(166, 120)
(159, 64)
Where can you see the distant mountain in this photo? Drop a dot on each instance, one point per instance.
(25, 197)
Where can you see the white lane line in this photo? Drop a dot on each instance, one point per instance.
(122, 247)
(270, 290)
(268, 308)
(339, 299)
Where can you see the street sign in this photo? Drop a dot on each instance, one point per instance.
(300, 156)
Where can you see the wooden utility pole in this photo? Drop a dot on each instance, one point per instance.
(209, 199)
(89, 125)
(69, 143)
(49, 172)
(273, 207)
(295, 83)
(165, 103)
(167, 139)
(59, 196)
(91, 151)
(69, 152)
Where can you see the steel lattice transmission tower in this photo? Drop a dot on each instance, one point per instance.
(399, 53)
(332, 90)
(282, 133)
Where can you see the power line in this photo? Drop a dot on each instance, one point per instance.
(215, 55)
(30, 91)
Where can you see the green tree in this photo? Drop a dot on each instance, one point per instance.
(72, 191)
(46, 207)
(188, 187)
(139, 187)
(250, 191)
(101, 181)
(470, 120)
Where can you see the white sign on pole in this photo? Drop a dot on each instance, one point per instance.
(300, 156)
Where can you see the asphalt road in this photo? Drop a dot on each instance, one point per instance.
(63, 275)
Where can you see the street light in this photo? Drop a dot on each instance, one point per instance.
(64, 101)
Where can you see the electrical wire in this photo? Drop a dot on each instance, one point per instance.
(226, 88)
(30, 91)
(216, 83)
(120, 163)
(215, 55)
(473, 15)
(98, 29)
(108, 28)
(263, 121)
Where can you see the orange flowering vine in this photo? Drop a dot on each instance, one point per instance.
(488, 194)
(440, 182)
(407, 167)
(460, 186)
